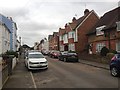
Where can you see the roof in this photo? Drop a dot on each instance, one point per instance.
(109, 19)
(78, 21)
(61, 31)
(50, 37)
(1, 23)
(7, 22)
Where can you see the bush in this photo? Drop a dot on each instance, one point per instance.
(110, 55)
(104, 51)
(15, 54)
(113, 51)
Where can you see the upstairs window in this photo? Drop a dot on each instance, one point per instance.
(118, 26)
(65, 38)
(71, 34)
(99, 30)
(60, 38)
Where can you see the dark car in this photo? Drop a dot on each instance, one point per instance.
(68, 56)
(54, 54)
(115, 65)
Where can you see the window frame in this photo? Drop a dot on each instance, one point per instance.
(99, 30)
(118, 25)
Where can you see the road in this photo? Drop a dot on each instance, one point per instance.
(62, 75)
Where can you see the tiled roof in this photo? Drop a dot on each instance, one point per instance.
(61, 31)
(109, 19)
(74, 25)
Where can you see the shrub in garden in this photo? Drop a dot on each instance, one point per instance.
(110, 55)
(112, 51)
(15, 54)
(104, 51)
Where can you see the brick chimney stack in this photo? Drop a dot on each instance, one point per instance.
(86, 12)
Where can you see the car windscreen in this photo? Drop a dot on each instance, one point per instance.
(72, 54)
(35, 56)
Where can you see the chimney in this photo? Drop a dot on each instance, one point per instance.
(86, 12)
(66, 25)
(74, 19)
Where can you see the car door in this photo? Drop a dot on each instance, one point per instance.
(118, 61)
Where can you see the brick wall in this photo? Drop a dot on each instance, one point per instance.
(83, 30)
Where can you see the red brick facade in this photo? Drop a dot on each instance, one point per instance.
(77, 29)
(83, 29)
(111, 36)
(54, 41)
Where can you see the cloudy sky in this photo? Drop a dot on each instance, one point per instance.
(36, 19)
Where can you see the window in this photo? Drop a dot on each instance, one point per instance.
(71, 47)
(98, 30)
(118, 46)
(61, 47)
(65, 38)
(118, 26)
(71, 35)
(61, 38)
(99, 46)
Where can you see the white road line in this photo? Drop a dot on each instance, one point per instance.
(33, 80)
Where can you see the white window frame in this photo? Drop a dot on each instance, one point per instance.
(65, 38)
(118, 25)
(99, 46)
(71, 34)
(71, 47)
(98, 30)
(118, 46)
(60, 38)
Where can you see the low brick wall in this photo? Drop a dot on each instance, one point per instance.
(95, 58)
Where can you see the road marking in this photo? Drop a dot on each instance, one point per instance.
(33, 80)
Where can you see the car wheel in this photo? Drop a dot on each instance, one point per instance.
(65, 60)
(114, 72)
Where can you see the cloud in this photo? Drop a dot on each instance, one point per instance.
(37, 19)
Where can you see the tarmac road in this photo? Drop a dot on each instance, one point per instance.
(61, 75)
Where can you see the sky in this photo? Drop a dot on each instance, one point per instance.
(36, 19)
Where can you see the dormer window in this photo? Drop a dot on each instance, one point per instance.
(118, 26)
(99, 30)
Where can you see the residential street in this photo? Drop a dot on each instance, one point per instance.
(61, 75)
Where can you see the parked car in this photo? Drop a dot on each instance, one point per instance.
(115, 65)
(54, 54)
(45, 52)
(68, 56)
(35, 60)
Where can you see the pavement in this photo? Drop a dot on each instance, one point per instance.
(23, 78)
(95, 64)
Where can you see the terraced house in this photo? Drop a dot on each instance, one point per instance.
(53, 41)
(4, 38)
(106, 32)
(73, 36)
(11, 25)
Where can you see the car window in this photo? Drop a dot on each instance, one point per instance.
(35, 56)
(118, 56)
(72, 53)
(64, 53)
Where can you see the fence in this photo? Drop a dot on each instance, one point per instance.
(7, 65)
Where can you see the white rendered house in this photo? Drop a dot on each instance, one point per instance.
(4, 38)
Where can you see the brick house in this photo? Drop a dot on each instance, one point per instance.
(53, 41)
(106, 32)
(73, 36)
(50, 42)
